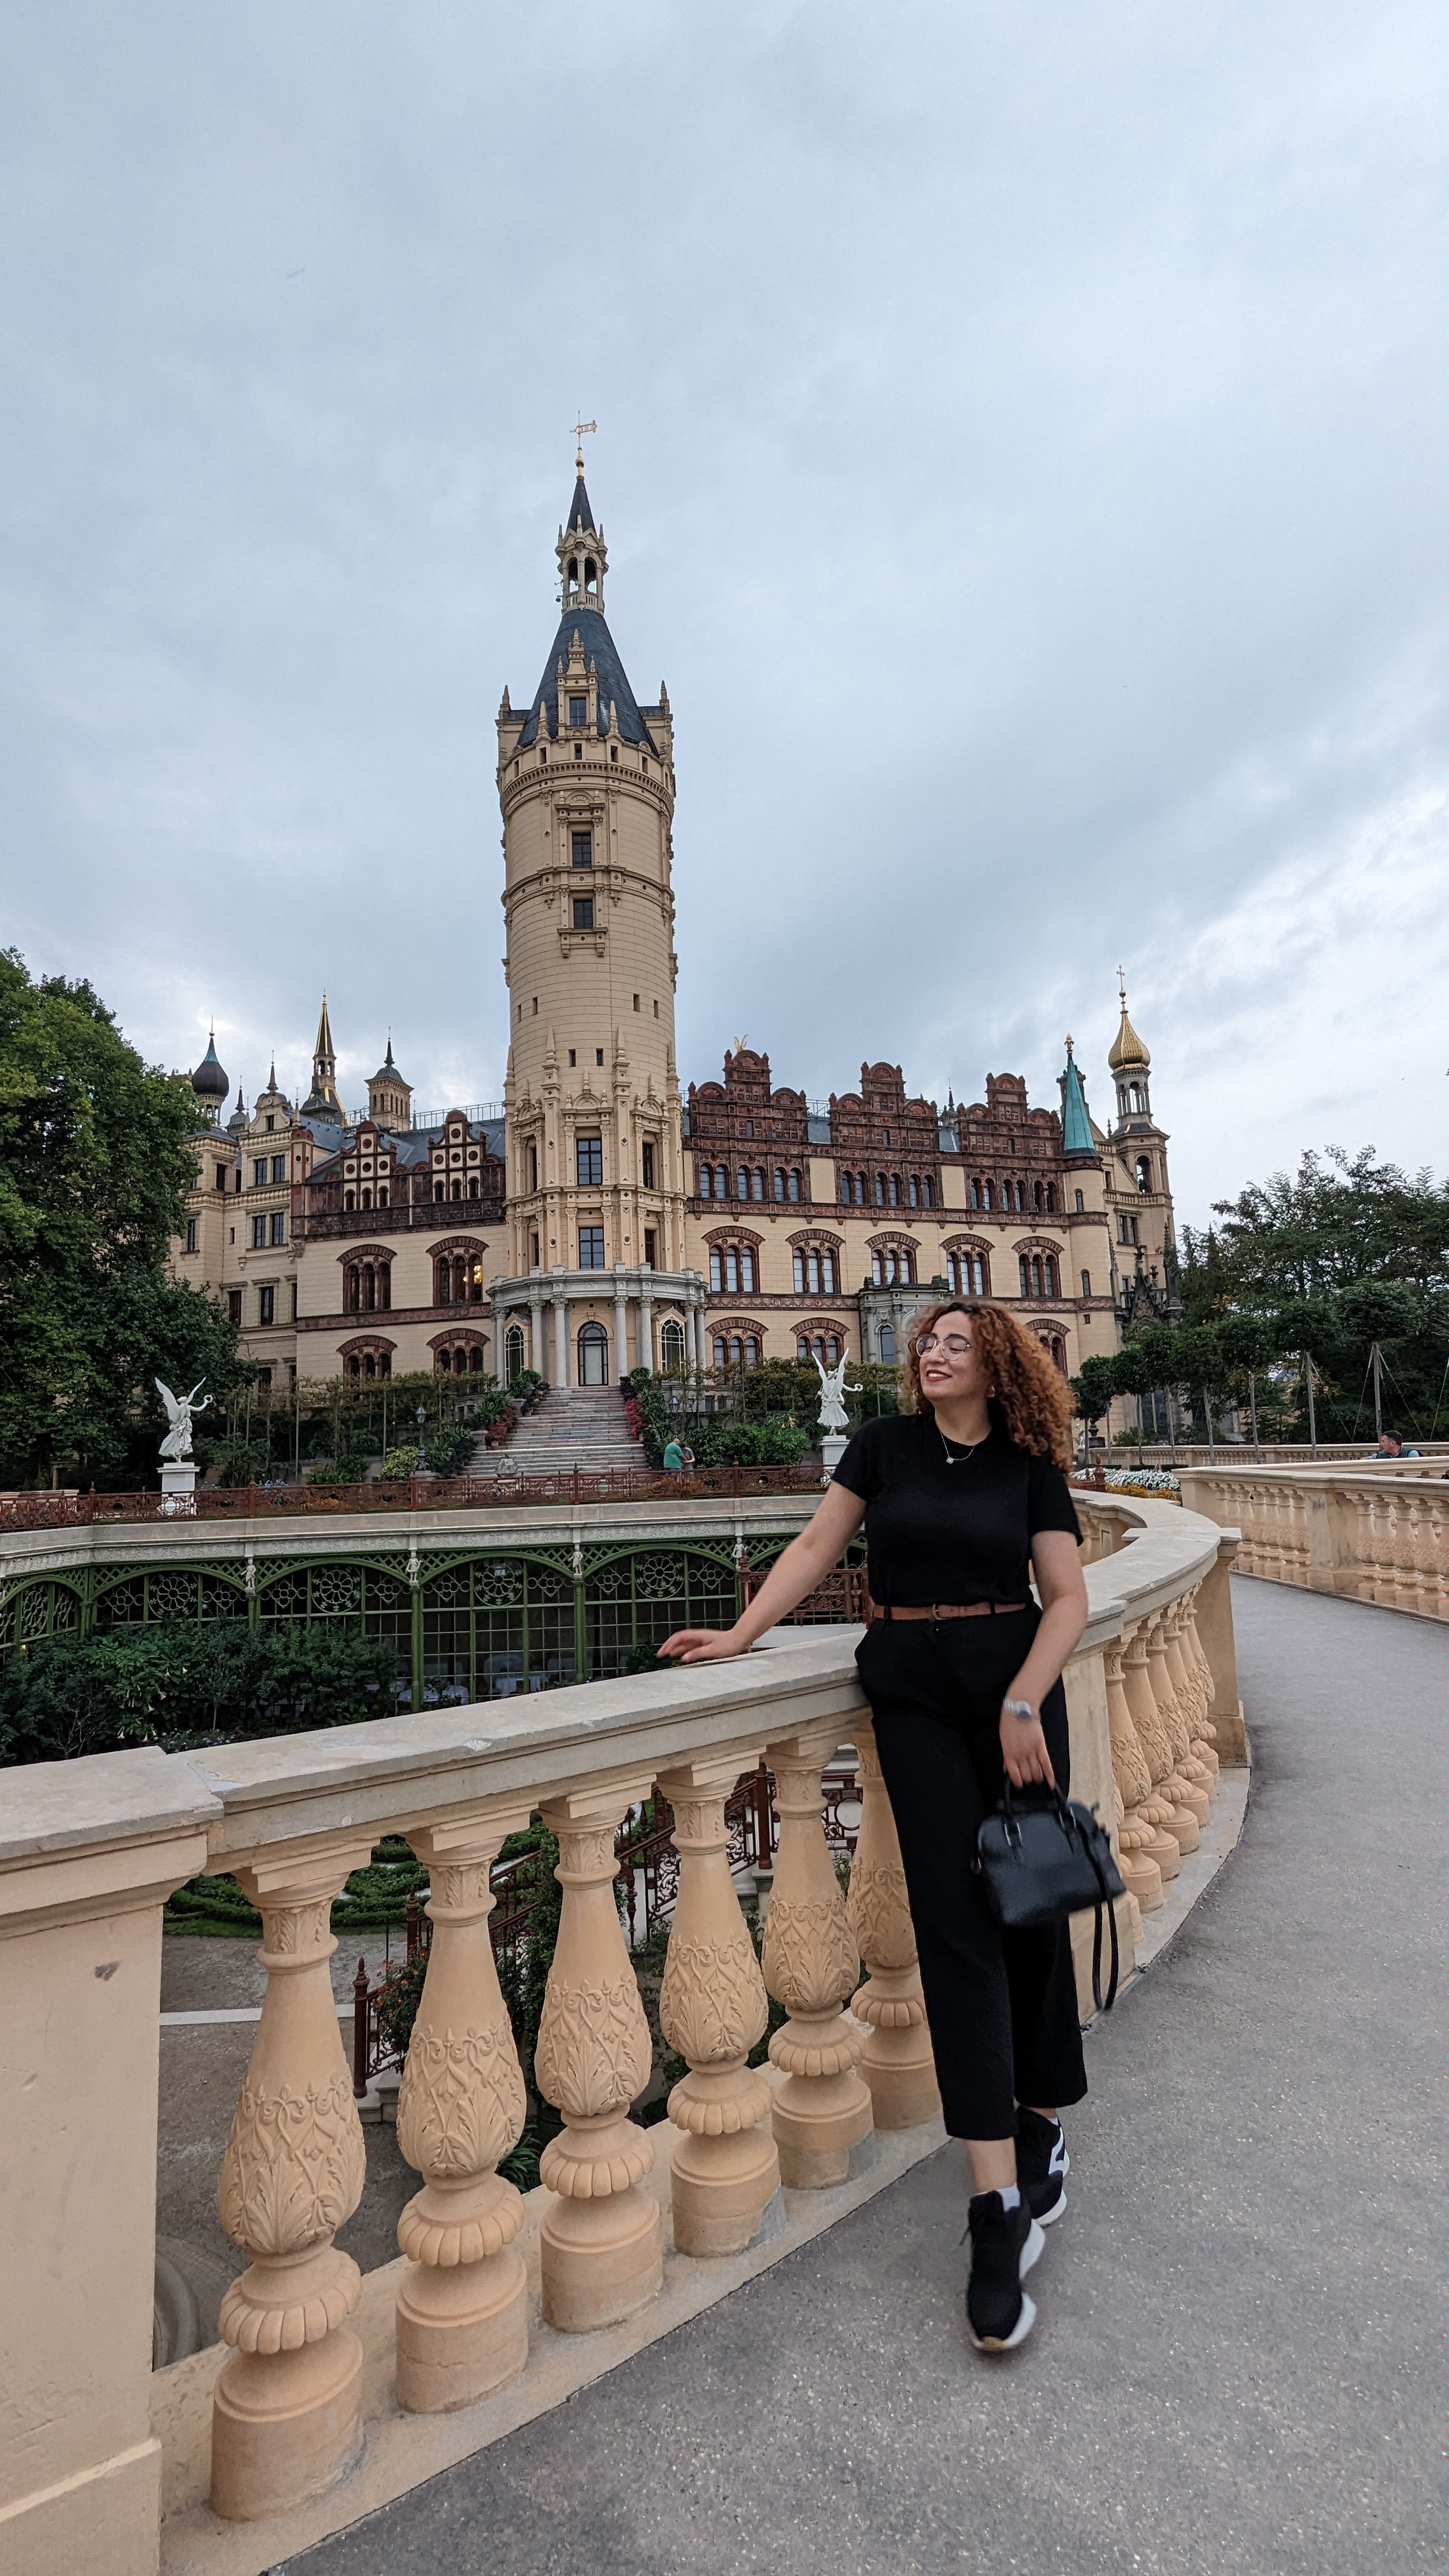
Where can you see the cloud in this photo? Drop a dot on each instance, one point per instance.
(1021, 447)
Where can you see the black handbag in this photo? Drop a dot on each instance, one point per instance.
(1046, 1858)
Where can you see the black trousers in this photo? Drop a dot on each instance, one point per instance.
(1002, 2006)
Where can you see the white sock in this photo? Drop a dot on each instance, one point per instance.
(1010, 2198)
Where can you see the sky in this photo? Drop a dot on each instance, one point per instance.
(1022, 451)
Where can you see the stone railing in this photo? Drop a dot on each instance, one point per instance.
(1368, 1535)
(311, 2356)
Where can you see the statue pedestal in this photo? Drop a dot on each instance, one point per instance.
(833, 1446)
(178, 1488)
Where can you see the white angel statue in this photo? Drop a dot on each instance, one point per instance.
(833, 1392)
(179, 1411)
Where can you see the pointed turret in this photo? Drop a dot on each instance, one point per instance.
(322, 1101)
(1129, 1062)
(389, 1097)
(209, 1081)
(1076, 1125)
(585, 689)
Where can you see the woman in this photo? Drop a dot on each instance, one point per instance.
(963, 1674)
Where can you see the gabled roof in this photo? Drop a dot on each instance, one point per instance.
(600, 649)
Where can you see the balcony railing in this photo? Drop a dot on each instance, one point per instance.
(571, 1485)
(313, 2363)
(1377, 1534)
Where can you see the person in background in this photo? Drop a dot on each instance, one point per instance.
(687, 1456)
(673, 1456)
(1390, 1445)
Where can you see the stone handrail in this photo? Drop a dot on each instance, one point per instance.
(1366, 1535)
(89, 1851)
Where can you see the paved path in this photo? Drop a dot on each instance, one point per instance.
(1238, 2364)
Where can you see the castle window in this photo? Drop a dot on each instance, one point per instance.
(578, 751)
(742, 1184)
(573, 1055)
(234, 1304)
(671, 1346)
(721, 1350)
(266, 1305)
(598, 1055)
(583, 842)
(986, 1194)
(367, 1198)
(814, 1271)
(1144, 1172)
(976, 1194)
(636, 1001)
(440, 1191)
(1059, 1353)
(613, 754)
(721, 1182)
(279, 1225)
(583, 912)
(259, 1232)
(221, 1176)
(706, 1181)
(1081, 1204)
(880, 1189)
(591, 1247)
(578, 715)
(646, 1162)
(191, 1234)
(779, 1183)
(1036, 1197)
(1086, 1283)
(591, 573)
(969, 1274)
(589, 1161)
(926, 1192)
(1051, 1198)
(259, 1172)
(732, 1269)
(914, 1191)
(757, 1183)
(650, 1241)
(279, 1167)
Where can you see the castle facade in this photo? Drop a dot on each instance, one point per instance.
(597, 1219)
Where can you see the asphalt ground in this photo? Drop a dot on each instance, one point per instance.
(1238, 2364)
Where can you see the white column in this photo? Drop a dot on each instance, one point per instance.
(697, 1320)
(621, 1324)
(536, 1351)
(560, 1339)
(645, 1345)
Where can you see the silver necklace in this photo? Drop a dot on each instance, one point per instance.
(961, 1461)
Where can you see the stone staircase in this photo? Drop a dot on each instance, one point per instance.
(578, 1426)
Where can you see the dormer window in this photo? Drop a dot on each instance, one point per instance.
(578, 711)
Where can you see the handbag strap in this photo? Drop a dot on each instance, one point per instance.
(1104, 1904)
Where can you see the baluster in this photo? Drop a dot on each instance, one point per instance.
(600, 2242)
(897, 2063)
(712, 2009)
(462, 2311)
(1193, 1759)
(1147, 1851)
(1164, 1808)
(286, 2414)
(823, 2108)
(1183, 1781)
(1196, 1680)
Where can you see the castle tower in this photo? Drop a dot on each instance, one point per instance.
(591, 1097)
(389, 1098)
(1139, 1187)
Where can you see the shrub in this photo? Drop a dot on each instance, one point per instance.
(400, 1462)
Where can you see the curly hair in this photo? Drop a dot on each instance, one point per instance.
(1030, 1399)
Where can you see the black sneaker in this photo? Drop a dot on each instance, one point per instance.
(1042, 2163)
(1004, 2245)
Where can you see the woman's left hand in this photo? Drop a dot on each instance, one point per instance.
(1024, 1751)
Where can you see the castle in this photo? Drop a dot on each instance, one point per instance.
(596, 1220)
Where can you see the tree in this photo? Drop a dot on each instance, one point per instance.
(95, 1163)
(1095, 1387)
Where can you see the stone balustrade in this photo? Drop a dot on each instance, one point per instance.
(1367, 1535)
(89, 1851)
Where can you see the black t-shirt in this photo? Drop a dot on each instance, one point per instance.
(948, 1523)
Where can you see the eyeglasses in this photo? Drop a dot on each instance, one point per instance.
(954, 1343)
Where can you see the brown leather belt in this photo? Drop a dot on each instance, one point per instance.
(949, 1610)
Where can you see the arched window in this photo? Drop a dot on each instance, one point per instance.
(721, 1350)
(752, 1350)
(1144, 1172)
(671, 1346)
(976, 1194)
(367, 1198)
(887, 1343)
(1050, 1274)
(593, 1355)
(795, 1183)
(513, 1350)
(927, 1197)
(913, 1191)
(369, 1365)
(440, 1189)
(895, 1189)
(721, 1182)
(354, 1290)
(369, 1288)
(1024, 1274)
(354, 1366)
(742, 1183)
(779, 1182)
(814, 1270)
(1059, 1352)
(757, 1183)
(1051, 1197)
(349, 1198)
(880, 1189)
(706, 1181)
(986, 1199)
(737, 1351)
(1036, 1197)
(444, 1295)
(382, 1195)
(969, 1274)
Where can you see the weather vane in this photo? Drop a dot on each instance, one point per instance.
(1122, 987)
(584, 429)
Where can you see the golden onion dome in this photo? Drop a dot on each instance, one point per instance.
(1127, 1052)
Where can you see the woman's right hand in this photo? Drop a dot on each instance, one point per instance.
(703, 1645)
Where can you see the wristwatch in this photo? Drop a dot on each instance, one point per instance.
(1021, 1708)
